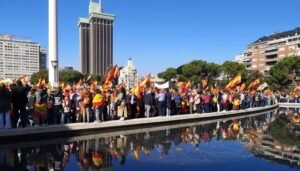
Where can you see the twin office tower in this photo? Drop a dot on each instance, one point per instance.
(96, 40)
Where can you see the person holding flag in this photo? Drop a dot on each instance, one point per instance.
(98, 105)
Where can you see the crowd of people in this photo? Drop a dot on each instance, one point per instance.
(23, 105)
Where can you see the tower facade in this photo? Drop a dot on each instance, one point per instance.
(96, 40)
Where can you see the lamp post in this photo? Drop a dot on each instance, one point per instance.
(53, 43)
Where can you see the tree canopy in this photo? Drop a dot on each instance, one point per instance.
(283, 73)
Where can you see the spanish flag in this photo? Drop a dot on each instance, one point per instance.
(136, 152)
(112, 73)
(187, 85)
(41, 81)
(98, 100)
(97, 159)
(254, 83)
(107, 85)
(234, 82)
(146, 82)
(242, 87)
(137, 91)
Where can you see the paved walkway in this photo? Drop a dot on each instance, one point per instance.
(75, 129)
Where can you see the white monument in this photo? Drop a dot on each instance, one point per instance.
(53, 44)
(128, 75)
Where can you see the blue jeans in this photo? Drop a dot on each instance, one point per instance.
(206, 107)
(5, 115)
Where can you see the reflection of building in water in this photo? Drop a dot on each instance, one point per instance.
(264, 145)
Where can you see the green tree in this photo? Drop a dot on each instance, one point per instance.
(195, 67)
(230, 69)
(168, 74)
(65, 76)
(70, 76)
(35, 76)
(252, 75)
(283, 74)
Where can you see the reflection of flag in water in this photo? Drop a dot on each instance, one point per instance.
(235, 126)
(136, 152)
(40, 110)
(97, 159)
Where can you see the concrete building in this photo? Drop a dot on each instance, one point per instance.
(128, 75)
(96, 40)
(19, 57)
(268, 50)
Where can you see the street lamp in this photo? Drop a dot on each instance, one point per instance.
(54, 63)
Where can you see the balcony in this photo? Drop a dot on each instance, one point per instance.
(271, 48)
(246, 59)
(271, 60)
(269, 53)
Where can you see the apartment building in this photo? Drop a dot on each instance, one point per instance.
(19, 57)
(262, 54)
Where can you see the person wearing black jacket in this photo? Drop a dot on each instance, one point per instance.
(5, 107)
(131, 100)
(19, 101)
(148, 101)
(168, 102)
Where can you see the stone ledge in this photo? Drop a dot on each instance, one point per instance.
(293, 105)
(74, 128)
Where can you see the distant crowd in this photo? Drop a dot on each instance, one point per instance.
(23, 105)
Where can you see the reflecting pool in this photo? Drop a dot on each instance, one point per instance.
(264, 142)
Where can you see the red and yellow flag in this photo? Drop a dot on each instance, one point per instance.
(187, 85)
(112, 73)
(146, 82)
(98, 100)
(254, 84)
(107, 85)
(242, 87)
(41, 81)
(234, 82)
(137, 91)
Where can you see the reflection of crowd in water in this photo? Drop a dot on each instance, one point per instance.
(100, 153)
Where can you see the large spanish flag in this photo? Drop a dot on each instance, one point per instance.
(146, 82)
(137, 91)
(254, 84)
(112, 73)
(234, 82)
(98, 100)
(107, 85)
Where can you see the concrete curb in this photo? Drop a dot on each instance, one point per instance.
(75, 129)
(292, 105)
